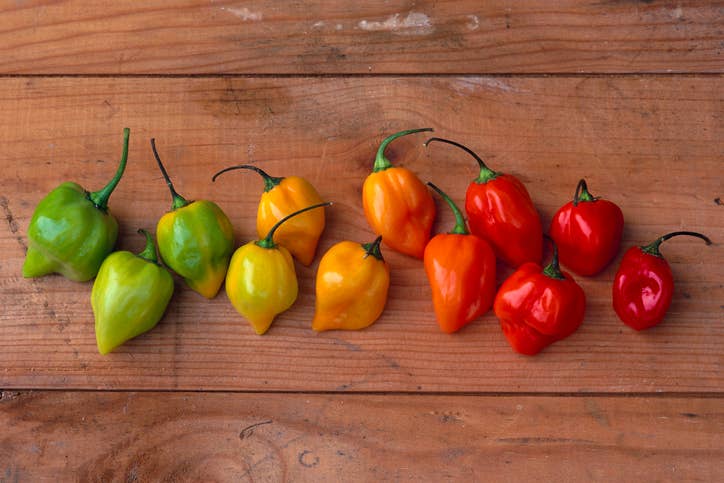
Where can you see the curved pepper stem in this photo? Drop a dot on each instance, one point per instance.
(582, 193)
(269, 181)
(486, 174)
(381, 162)
(177, 201)
(459, 228)
(148, 253)
(553, 270)
(373, 248)
(100, 197)
(653, 247)
(268, 240)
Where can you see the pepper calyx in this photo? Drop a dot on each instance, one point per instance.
(269, 181)
(459, 228)
(381, 162)
(582, 193)
(268, 240)
(149, 252)
(177, 201)
(653, 247)
(100, 198)
(486, 174)
(553, 269)
(373, 248)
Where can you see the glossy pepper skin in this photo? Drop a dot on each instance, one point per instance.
(397, 204)
(129, 296)
(71, 231)
(352, 284)
(644, 286)
(284, 196)
(538, 306)
(461, 270)
(195, 239)
(500, 210)
(261, 282)
(587, 231)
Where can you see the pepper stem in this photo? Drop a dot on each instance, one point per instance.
(269, 181)
(381, 162)
(459, 228)
(148, 253)
(653, 247)
(100, 197)
(582, 193)
(268, 240)
(553, 270)
(177, 201)
(373, 249)
(486, 174)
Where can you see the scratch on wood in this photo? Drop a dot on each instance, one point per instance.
(543, 440)
(249, 430)
(596, 412)
(12, 223)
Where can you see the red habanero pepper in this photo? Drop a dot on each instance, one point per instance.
(588, 232)
(461, 270)
(539, 306)
(643, 286)
(500, 210)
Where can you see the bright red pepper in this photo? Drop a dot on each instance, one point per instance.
(539, 306)
(461, 270)
(644, 286)
(587, 231)
(500, 210)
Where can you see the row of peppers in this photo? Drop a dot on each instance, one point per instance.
(72, 233)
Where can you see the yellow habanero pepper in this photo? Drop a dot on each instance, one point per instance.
(281, 197)
(352, 284)
(262, 282)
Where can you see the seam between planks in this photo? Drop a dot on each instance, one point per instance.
(614, 75)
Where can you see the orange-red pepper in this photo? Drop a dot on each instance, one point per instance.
(397, 204)
(461, 270)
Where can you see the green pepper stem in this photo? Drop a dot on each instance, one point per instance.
(582, 193)
(553, 270)
(177, 201)
(486, 174)
(381, 162)
(459, 228)
(100, 197)
(269, 181)
(268, 240)
(653, 247)
(373, 249)
(148, 253)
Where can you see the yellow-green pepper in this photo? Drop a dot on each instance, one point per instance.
(129, 296)
(261, 282)
(71, 231)
(195, 239)
(352, 284)
(281, 197)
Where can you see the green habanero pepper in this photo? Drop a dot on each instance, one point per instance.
(71, 231)
(195, 239)
(129, 295)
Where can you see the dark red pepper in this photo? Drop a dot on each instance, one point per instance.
(587, 231)
(501, 211)
(644, 286)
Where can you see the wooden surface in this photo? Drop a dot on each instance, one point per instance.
(626, 94)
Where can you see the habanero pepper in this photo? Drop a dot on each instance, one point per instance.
(538, 306)
(281, 197)
(461, 270)
(587, 231)
(352, 284)
(397, 204)
(501, 211)
(195, 239)
(71, 231)
(644, 285)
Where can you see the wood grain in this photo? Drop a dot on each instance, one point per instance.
(654, 145)
(351, 37)
(261, 437)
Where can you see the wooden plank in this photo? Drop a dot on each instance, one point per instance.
(252, 437)
(377, 36)
(654, 145)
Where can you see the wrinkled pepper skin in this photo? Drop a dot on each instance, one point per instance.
(281, 197)
(195, 239)
(587, 231)
(351, 286)
(643, 287)
(71, 231)
(538, 306)
(501, 211)
(461, 270)
(397, 205)
(129, 296)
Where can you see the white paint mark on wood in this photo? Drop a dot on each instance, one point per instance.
(318, 25)
(414, 23)
(244, 13)
(473, 22)
(472, 84)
